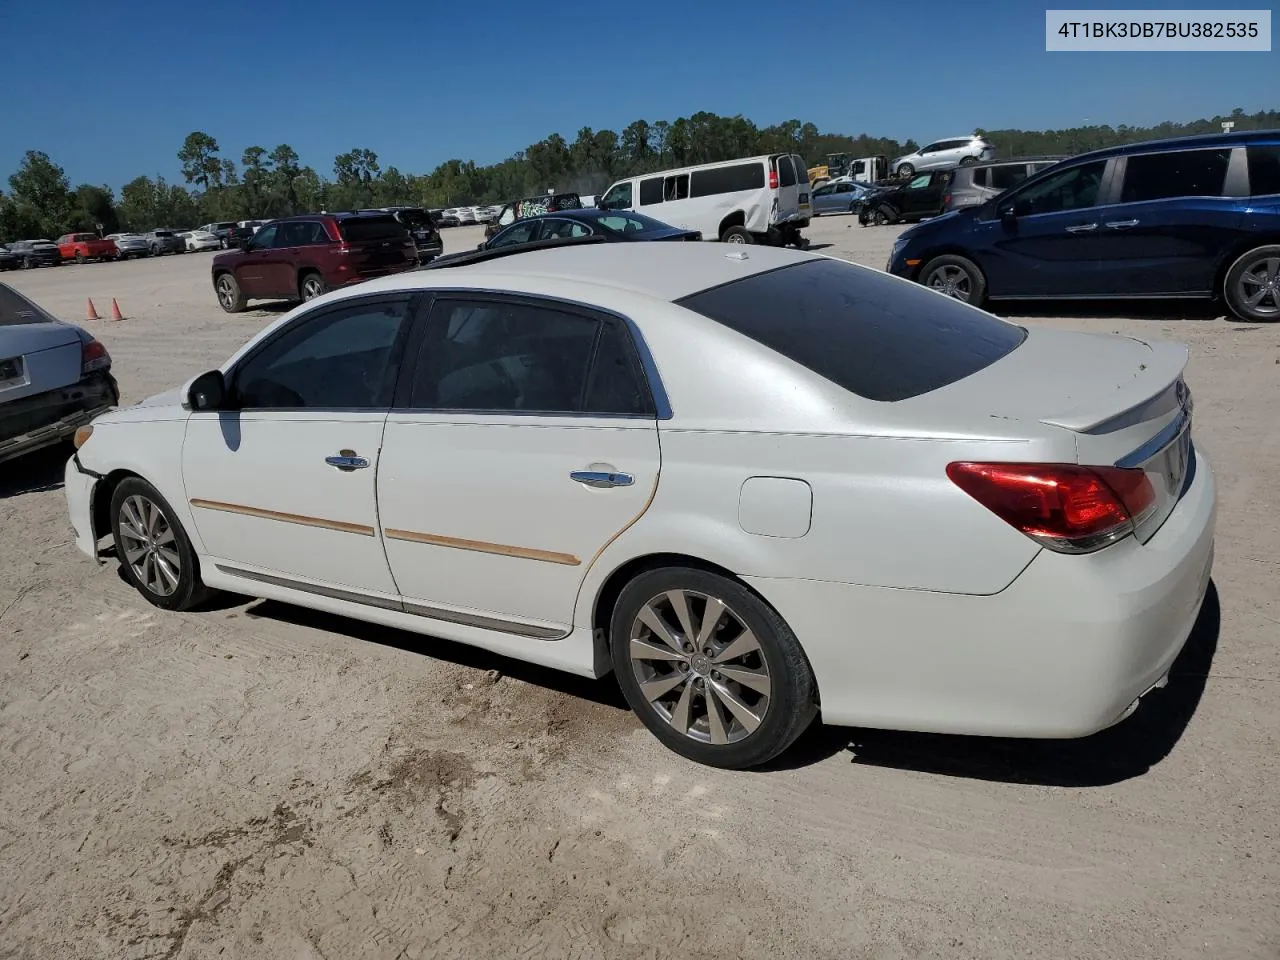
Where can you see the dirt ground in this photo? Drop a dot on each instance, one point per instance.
(259, 781)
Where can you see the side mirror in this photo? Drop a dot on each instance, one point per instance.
(207, 391)
(243, 242)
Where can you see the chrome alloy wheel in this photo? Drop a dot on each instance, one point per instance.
(226, 292)
(312, 287)
(150, 548)
(1259, 287)
(700, 667)
(952, 281)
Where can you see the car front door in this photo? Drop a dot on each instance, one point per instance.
(1167, 233)
(282, 481)
(1048, 243)
(253, 272)
(524, 439)
(824, 199)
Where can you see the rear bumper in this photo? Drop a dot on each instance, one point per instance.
(1064, 651)
(48, 418)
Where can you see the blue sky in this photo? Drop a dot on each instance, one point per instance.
(110, 88)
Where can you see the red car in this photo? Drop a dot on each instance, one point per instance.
(86, 246)
(300, 258)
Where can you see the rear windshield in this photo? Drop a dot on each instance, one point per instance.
(415, 218)
(865, 331)
(632, 224)
(358, 229)
(15, 309)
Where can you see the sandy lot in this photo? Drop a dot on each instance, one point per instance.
(258, 781)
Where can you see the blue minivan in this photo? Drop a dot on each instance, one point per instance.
(1194, 217)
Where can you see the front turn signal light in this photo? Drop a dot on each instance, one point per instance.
(82, 435)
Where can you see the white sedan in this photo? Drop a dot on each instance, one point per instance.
(757, 485)
(200, 240)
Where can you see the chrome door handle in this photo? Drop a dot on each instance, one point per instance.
(1083, 228)
(1121, 224)
(601, 478)
(347, 460)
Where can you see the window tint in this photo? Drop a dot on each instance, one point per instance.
(859, 328)
(823, 190)
(555, 229)
(844, 188)
(1183, 173)
(741, 176)
(619, 195)
(931, 148)
(344, 358)
(1071, 189)
(510, 357)
(676, 187)
(631, 223)
(980, 177)
(265, 238)
(1008, 175)
(1264, 170)
(650, 191)
(302, 233)
(362, 229)
(786, 172)
(921, 181)
(616, 384)
(522, 232)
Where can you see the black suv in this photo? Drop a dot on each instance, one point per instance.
(422, 228)
(923, 195)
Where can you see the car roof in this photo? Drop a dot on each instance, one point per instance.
(1006, 160)
(1233, 139)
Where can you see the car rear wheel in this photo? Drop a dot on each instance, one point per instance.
(312, 285)
(229, 293)
(155, 554)
(1252, 287)
(709, 668)
(737, 235)
(956, 277)
(968, 161)
(79, 256)
(906, 170)
(27, 263)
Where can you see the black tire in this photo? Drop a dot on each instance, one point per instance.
(957, 277)
(906, 170)
(1256, 273)
(167, 541)
(789, 705)
(230, 297)
(27, 264)
(737, 235)
(79, 256)
(968, 161)
(311, 285)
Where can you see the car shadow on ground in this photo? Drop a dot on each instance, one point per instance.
(34, 472)
(604, 692)
(1122, 752)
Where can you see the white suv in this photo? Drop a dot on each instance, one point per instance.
(944, 154)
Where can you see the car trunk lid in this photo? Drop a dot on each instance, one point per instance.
(35, 354)
(1124, 401)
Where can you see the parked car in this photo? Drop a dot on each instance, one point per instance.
(576, 224)
(839, 196)
(445, 218)
(945, 155)
(160, 242)
(756, 199)
(253, 225)
(301, 258)
(54, 377)
(86, 246)
(465, 216)
(1185, 218)
(532, 207)
(652, 458)
(222, 231)
(8, 259)
(421, 226)
(36, 253)
(130, 245)
(978, 182)
(924, 195)
(200, 240)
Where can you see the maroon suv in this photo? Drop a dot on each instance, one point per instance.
(299, 258)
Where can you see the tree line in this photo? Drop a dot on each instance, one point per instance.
(266, 183)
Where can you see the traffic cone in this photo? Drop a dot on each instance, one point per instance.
(115, 310)
(91, 313)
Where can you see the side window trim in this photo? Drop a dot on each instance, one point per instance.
(402, 396)
(414, 317)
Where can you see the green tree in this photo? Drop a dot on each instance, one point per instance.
(200, 162)
(42, 194)
(93, 208)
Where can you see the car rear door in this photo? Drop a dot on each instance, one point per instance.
(524, 439)
(1172, 223)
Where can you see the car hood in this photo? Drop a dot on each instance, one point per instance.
(170, 398)
(944, 221)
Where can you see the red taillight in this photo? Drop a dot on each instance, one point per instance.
(93, 356)
(1063, 506)
(773, 179)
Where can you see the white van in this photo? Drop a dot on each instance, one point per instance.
(755, 200)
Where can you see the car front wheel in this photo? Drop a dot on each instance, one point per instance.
(709, 668)
(956, 277)
(906, 170)
(155, 554)
(1252, 286)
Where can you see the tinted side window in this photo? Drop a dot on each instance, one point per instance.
(1073, 189)
(521, 233)
(1004, 177)
(651, 190)
(786, 172)
(980, 177)
(1264, 170)
(1184, 173)
(345, 358)
(676, 187)
(361, 229)
(859, 328)
(504, 357)
(265, 238)
(742, 176)
(617, 384)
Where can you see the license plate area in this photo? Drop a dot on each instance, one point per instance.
(13, 373)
